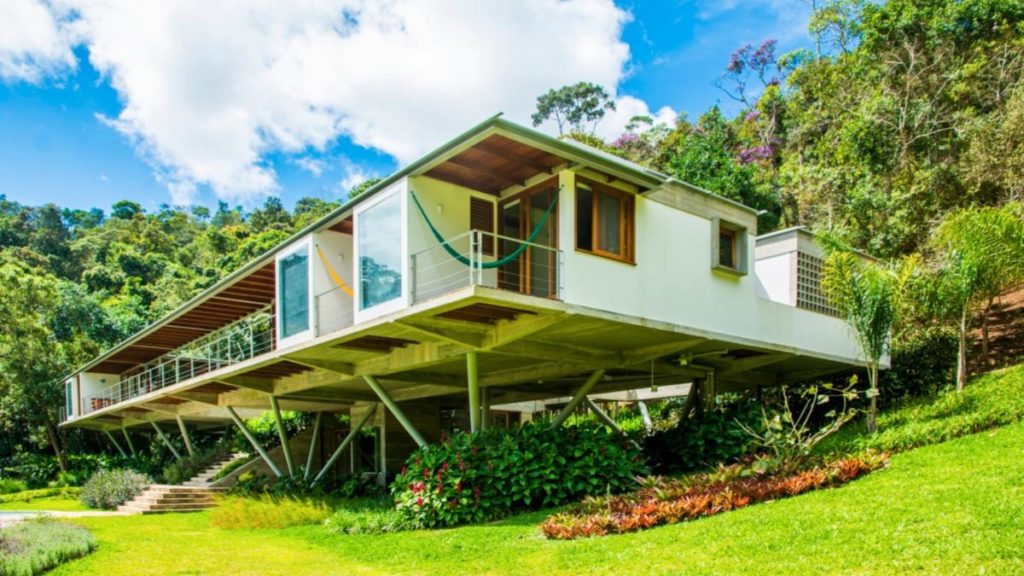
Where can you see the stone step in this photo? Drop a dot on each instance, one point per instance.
(183, 500)
(137, 509)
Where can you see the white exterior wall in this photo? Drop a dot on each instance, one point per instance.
(92, 385)
(672, 282)
(333, 308)
(776, 278)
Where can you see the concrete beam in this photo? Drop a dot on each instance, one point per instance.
(283, 435)
(344, 443)
(185, 436)
(166, 441)
(580, 395)
(395, 410)
(252, 440)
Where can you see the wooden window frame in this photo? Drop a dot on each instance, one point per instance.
(627, 223)
(738, 234)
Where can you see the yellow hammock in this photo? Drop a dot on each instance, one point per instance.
(334, 275)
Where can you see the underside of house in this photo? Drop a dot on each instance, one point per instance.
(506, 267)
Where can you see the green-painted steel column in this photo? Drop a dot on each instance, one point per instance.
(473, 379)
(282, 435)
(578, 397)
(116, 445)
(312, 445)
(128, 439)
(185, 436)
(485, 408)
(167, 441)
(608, 421)
(344, 443)
(394, 409)
(252, 440)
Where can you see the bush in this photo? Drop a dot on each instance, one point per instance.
(668, 502)
(230, 467)
(264, 429)
(490, 474)
(108, 489)
(30, 495)
(372, 516)
(179, 471)
(922, 366)
(267, 511)
(35, 546)
(10, 486)
(40, 471)
(698, 443)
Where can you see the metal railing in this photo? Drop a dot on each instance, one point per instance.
(240, 341)
(334, 310)
(490, 260)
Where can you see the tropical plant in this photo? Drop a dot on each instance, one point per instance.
(692, 443)
(108, 489)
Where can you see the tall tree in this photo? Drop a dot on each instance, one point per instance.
(578, 107)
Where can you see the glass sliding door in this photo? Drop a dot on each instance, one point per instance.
(293, 273)
(380, 252)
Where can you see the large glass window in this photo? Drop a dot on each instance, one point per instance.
(380, 253)
(68, 403)
(294, 281)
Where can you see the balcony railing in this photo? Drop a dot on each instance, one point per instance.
(241, 341)
(483, 259)
(333, 310)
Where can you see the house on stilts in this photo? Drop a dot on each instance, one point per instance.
(503, 268)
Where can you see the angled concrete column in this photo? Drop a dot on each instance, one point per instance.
(282, 435)
(485, 408)
(356, 427)
(609, 422)
(128, 440)
(116, 445)
(167, 441)
(395, 410)
(473, 379)
(312, 445)
(185, 436)
(252, 440)
(580, 395)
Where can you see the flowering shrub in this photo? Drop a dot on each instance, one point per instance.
(667, 502)
(471, 478)
(108, 489)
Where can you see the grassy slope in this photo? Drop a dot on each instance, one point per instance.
(954, 508)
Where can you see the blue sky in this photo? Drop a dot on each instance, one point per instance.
(82, 138)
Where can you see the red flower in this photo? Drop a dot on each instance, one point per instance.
(419, 501)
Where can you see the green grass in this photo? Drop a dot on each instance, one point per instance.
(52, 503)
(953, 508)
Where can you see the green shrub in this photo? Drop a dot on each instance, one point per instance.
(694, 443)
(179, 471)
(108, 489)
(10, 486)
(490, 474)
(35, 546)
(267, 511)
(922, 366)
(230, 467)
(368, 516)
(30, 495)
(264, 429)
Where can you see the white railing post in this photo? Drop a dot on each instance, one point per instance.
(472, 253)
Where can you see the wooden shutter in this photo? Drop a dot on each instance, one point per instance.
(481, 217)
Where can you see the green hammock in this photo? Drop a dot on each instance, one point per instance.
(511, 257)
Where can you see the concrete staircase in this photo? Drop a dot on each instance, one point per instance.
(159, 498)
(205, 478)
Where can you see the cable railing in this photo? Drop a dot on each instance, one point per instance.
(478, 258)
(334, 310)
(241, 341)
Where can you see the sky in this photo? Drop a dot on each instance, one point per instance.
(195, 102)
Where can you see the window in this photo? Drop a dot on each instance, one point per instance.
(728, 247)
(380, 252)
(68, 404)
(294, 280)
(604, 221)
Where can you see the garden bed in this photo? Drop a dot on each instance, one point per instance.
(35, 546)
(662, 502)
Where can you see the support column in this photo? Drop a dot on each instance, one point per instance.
(128, 440)
(282, 435)
(645, 414)
(344, 443)
(116, 445)
(252, 440)
(167, 441)
(312, 445)
(185, 436)
(473, 379)
(485, 408)
(580, 395)
(707, 392)
(609, 422)
(394, 409)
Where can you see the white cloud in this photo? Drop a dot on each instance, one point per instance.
(32, 44)
(210, 87)
(626, 107)
(352, 175)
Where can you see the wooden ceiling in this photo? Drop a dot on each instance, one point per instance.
(242, 298)
(495, 164)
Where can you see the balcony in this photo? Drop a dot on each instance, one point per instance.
(245, 339)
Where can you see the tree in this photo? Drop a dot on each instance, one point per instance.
(865, 293)
(362, 187)
(979, 252)
(579, 107)
(125, 209)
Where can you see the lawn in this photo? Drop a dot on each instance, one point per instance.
(952, 508)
